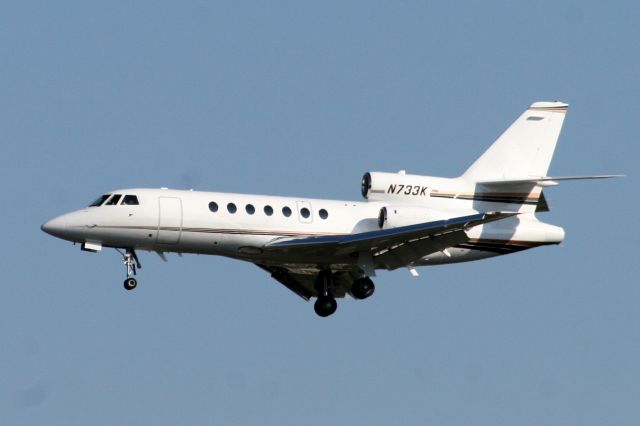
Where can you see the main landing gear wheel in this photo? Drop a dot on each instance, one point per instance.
(326, 303)
(362, 288)
(325, 306)
(130, 283)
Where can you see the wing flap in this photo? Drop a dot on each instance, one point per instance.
(405, 254)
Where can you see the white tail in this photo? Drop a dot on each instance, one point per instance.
(525, 149)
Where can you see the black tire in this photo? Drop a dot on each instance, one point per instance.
(362, 288)
(130, 283)
(325, 306)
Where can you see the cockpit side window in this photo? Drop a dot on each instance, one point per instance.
(113, 200)
(130, 200)
(100, 200)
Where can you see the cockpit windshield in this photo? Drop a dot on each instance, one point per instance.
(100, 200)
(130, 200)
(115, 199)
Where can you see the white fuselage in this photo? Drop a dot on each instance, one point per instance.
(187, 222)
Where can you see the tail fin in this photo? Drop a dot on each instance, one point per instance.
(525, 149)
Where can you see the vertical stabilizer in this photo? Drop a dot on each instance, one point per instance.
(525, 149)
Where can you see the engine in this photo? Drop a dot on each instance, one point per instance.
(377, 186)
(404, 196)
(393, 216)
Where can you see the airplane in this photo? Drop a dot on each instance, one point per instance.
(328, 249)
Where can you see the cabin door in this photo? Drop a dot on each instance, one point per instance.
(170, 220)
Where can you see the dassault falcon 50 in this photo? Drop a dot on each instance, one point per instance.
(328, 249)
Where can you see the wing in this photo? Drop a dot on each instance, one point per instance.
(423, 238)
(389, 249)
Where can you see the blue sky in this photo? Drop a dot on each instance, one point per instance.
(301, 98)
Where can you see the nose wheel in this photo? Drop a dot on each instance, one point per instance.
(132, 264)
(130, 283)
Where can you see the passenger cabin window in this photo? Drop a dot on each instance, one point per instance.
(286, 211)
(232, 208)
(304, 212)
(268, 210)
(213, 206)
(113, 200)
(323, 214)
(250, 209)
(100, 200)
(130, 200)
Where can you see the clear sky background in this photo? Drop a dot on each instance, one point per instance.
(302, 98)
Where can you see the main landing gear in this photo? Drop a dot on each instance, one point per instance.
(362, 288)
(132, 263)
(326, 304)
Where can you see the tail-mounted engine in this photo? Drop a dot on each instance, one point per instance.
(393, 216)
(377, 186)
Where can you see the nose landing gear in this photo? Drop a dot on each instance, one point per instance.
(132, 264)
(130, 283)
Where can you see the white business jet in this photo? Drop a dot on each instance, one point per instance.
(329, 249)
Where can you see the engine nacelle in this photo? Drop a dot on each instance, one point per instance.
(378, 186)
(393, 216)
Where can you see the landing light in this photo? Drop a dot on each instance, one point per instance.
(92, 247)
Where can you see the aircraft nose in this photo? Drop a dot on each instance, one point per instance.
(55, 226)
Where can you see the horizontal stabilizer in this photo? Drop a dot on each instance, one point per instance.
(544, 181)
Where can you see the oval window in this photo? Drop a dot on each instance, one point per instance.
(250, 209)
(323, 214)
(213, 206)
(286, 211)
(268, 210)
(232, 208)
(304, 212)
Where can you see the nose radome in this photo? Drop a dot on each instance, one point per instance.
(55, 226)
